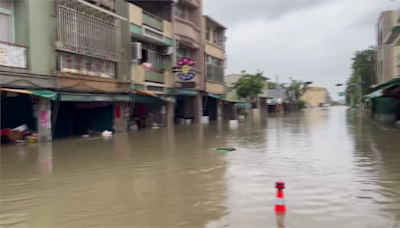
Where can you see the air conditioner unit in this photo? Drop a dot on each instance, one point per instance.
(136, 51)
(167, 50)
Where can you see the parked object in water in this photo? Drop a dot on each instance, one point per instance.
(106, 133)
(224, 149)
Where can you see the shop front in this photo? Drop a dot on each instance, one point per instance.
(78, 114)
(185, 106)
(25, 113)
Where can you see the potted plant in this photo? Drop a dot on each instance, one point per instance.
(163, 69)
(243, 114)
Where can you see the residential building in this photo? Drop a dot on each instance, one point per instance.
(78, 49)
(383, 100)
(388, 56)
(151, 32)
(215, 64)
(316, 96)
(188, 24)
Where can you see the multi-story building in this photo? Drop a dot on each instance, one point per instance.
(151, 29)
(79, 49)
(316, 96)
(388, 56)
(188, 24)
(215, 65)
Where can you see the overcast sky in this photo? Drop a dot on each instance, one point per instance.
(307, 40)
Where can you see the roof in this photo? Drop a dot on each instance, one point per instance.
(215, 21)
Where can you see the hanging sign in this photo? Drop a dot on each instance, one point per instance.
(186, 65)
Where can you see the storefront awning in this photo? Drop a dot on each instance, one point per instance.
(147, 93)
(90, 97)
(42, 93)
(381, 88)
(185, 92)
(221, 97)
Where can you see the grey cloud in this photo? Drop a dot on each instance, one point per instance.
(231, 12)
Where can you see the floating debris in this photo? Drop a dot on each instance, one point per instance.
(225, 149)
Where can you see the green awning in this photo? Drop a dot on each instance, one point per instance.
(380, 88)
(89, 97)
(392, 35)
(243, 104)
(45, 93)
(221, 97)
(185, 92)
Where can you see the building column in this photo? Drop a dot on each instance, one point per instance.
(44, 119)
(198, 108)
(119, 117)
(170, 114)
(219, 110)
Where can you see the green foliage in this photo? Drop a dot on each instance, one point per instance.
(272, 85)
(301, 104)
(249, 87)
(296, 89)
(363, 64)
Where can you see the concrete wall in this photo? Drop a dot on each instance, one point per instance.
(315, 96)
(41, 27)
(135, 15)
(124, 66)
(216, 88)
(387, 54)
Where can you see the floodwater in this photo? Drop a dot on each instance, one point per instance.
(340, 170)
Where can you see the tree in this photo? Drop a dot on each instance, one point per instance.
(250, 86)
(296, 89)
(363, 64)
(272, 85)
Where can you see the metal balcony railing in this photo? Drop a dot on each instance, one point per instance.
(13, 55)
(215, 73)
(153, 21)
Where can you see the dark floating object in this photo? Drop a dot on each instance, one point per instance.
(225, 149)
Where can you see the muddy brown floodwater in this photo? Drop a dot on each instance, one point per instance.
(340, 169)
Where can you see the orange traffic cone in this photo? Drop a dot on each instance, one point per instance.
(280, 206)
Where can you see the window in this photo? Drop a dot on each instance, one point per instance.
(214, 61)
(181, 53)
(215, 71)
(5, 27)
(208, 34)
(5, 4)
(180, 11)
(219, 37)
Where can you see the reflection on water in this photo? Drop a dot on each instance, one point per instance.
(340, 169)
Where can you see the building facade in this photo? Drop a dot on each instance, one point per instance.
(316, 97)
(79, 51)
(214, 68)
(388, 59)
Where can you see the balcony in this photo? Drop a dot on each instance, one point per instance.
(153, 21)
(192, 3)
(13, 55)
(215, 73)
(154, 76)
(187, 33)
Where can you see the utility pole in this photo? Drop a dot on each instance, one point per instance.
(277, 93)
(359, 91)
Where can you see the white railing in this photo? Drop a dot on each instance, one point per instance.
(84, 31)
(13, 55)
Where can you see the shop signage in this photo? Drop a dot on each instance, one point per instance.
(12, 56)
(79, 64)
(186, 65)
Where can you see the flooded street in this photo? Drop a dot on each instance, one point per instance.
(340, 170)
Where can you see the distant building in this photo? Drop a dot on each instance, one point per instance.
(316, 97)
